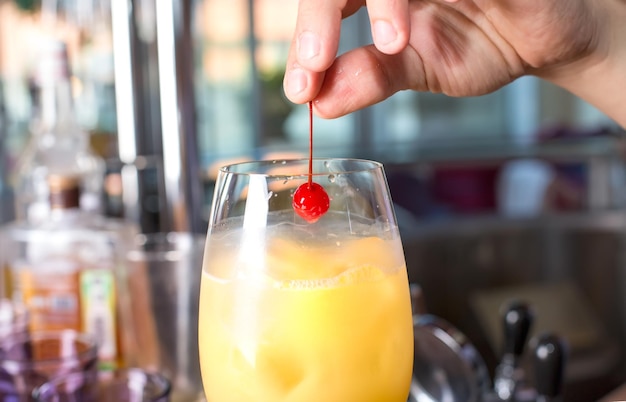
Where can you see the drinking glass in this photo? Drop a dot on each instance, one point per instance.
(28, 360)
(122, 385)
(298, 311)
(160, 308)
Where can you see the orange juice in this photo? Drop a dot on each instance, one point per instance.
(329, 321)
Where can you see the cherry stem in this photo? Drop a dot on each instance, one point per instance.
(310, 142)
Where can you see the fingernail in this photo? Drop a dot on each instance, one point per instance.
(308, 45)
(384, 33)
(296, 81)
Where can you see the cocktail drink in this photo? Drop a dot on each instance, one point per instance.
(299, 311)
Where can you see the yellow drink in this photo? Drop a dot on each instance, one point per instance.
(316, 322)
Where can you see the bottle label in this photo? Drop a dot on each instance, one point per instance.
(98, 312)
(51, 298)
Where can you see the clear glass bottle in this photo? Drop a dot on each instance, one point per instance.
(66, 269)
(58, 145)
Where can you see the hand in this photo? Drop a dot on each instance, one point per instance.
(458, 47)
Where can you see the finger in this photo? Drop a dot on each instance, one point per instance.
(316, 37)
(365, 76)
(301, 85)
(390, 24)
(313, 47)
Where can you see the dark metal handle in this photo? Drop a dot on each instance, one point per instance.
(418, 305)
(517, 320)
(549, 357)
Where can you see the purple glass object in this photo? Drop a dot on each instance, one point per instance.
(30, 360)
(123, 385)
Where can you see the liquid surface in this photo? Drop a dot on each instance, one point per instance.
(283, 319)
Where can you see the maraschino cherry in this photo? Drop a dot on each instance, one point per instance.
(310, 200)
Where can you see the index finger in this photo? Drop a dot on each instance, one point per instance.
(390, 24)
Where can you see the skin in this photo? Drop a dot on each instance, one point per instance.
(460, 48)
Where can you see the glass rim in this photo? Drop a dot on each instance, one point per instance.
(130, 374)
(168, 246)
(90, 351)
(256, 167)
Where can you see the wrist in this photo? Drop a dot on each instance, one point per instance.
(599, 77)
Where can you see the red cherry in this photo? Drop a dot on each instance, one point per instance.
(311, 201)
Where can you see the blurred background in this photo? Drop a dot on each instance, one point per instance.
(519, 193)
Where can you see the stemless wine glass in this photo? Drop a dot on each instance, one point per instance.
(298, 311)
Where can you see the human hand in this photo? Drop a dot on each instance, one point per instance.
(457, 47)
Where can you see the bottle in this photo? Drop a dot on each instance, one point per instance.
(66, 269)
(58, 145)
(6, 211)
